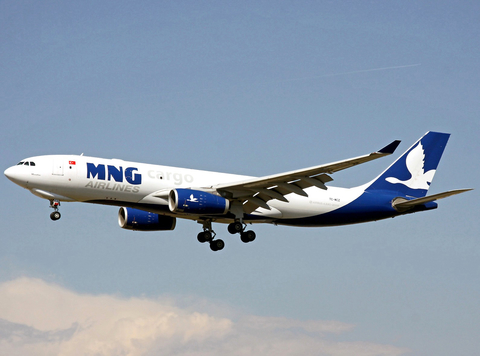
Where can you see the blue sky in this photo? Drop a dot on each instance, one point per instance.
(252, 88)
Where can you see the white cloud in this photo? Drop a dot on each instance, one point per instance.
(38, 318)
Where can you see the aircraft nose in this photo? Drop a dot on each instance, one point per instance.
(14, 175)
(9, 172)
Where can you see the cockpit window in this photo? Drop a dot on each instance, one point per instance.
(25, 163)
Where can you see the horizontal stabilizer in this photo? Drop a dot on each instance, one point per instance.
(401, 204)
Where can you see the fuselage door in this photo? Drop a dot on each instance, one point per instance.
(58, 164)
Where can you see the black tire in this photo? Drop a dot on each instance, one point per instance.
(55, 215)
(248, 236)
(235, 227)
(217, 245)
(230, 229)
(207, 235)
(251, 235)
(201, 237)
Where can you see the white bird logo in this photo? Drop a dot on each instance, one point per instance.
(192, 199)
(415, 162)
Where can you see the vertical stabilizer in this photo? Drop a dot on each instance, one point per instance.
(412, 173)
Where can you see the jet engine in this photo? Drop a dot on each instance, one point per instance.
(191, 201)
(139, 220)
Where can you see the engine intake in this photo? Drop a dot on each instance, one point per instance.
(196, 202)
(139, 220)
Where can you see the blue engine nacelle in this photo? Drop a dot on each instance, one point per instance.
(196, 202)
(134, 219)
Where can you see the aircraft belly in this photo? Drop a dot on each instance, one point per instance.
(318, 202)
(366, 207)
(272, 213)
(152, 199)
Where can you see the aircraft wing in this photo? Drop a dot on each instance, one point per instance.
(257, 191)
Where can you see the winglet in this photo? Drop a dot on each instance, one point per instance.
(390, 148)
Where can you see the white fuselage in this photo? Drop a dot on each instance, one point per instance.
(118, 182)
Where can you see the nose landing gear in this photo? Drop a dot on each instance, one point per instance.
(54, 204)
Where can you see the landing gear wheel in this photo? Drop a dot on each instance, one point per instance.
(54, 204)
(55, 215)
(208, 235)
(201, 237)
(204, 236)
(217, 245)
(235, 227)
(248, 236)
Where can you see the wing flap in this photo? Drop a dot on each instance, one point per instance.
(259, 202)
(271, 194)
(318, 181)
(293, 188)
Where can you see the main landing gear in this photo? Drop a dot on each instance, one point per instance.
(237, 227)
(54, 204)
(208, 235)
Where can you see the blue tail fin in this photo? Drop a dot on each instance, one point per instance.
(412, 173)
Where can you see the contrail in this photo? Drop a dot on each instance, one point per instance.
(355, 72)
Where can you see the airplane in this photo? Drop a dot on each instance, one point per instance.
(152, 197)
